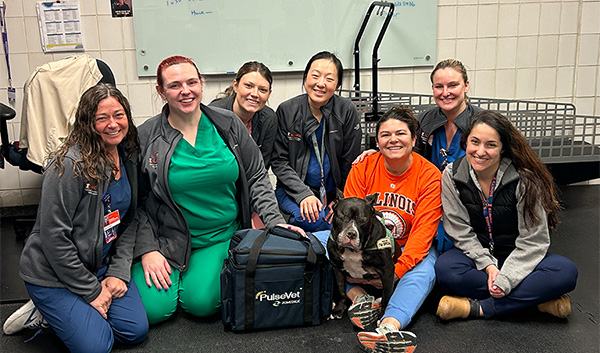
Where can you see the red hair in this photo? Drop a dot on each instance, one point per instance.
(173, 60)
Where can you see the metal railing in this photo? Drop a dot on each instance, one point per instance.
(554, 130)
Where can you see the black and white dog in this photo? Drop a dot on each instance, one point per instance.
(359, 249)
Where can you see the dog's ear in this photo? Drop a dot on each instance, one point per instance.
(339, 194)
(371, 199)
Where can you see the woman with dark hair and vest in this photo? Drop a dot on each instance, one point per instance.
(318, 137)
(499, 205)
(201, 175)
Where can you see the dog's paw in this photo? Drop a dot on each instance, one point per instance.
(337, 311)
(334, 317)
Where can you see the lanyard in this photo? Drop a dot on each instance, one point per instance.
(320, 157)
(11, 89)
(487, 212)
(106, 200)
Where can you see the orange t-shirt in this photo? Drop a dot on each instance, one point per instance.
(411, 203)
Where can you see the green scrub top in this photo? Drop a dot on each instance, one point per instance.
(202, 183)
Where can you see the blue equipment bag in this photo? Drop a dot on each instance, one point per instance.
(275, 278)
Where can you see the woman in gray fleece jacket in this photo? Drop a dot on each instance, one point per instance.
(76, 262)
(200, 177)
(499, 205)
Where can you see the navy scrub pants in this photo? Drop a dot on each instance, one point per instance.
(554, 276)
(81, 327)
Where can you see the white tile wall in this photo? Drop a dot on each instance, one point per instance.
(589, 17)
(508, 19)
(529, 19)
(584, 103)
(524, 87)
(485, 83)
(550, 18)
(513, 49)
(506, 54)
(466, 22)
(485, 57)
(586, 81)
(569, 17)
(17, 43)
(545, 83)
(527, 51)
(565, 81)
(487, 21)
(446, 29)
(547, 51)
(446, 49)
(567, 50)
(589, 48)
(505, 83)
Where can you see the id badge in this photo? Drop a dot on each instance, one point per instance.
(111, 221)
(323, 195)
(12, 95)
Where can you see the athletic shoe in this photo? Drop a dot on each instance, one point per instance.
(365, 312)
(560, 307)
(26, 316)
(387, 338)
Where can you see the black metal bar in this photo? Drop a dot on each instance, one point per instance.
(6, 113)
(381, 6)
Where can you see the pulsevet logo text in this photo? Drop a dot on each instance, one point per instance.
(278, 299)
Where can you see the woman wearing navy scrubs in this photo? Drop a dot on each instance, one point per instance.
(76, 262)
(318, 137)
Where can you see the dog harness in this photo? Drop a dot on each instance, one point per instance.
(384, 243)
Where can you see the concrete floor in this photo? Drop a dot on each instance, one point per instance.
(529, 331)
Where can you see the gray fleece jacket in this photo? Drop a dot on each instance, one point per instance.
(434, 118)
(162, 225)
(264, 127)
(64, 249)
(293, 145)
(531, 244)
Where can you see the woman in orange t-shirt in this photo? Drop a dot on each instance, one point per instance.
(408, 191)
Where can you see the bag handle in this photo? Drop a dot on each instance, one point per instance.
(309, 269)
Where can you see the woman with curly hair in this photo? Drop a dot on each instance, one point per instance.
(76, 262)
(499, 205)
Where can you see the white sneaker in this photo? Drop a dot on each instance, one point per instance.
(387, 338)
(27, 316)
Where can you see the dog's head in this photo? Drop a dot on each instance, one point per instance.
(353, 222)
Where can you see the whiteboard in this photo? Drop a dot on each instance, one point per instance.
(220, 35)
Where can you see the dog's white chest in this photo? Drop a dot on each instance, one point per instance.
(353, 264)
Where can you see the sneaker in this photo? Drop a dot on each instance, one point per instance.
(365, 312)
(26, 316)
(387, 338)
(560, 307)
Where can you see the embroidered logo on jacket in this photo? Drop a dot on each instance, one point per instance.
(427, 139)
(294, 137)
(153, 160)
(91, 189)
